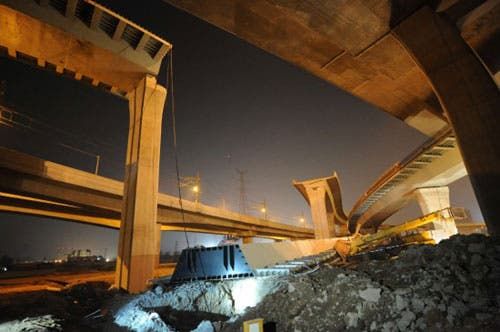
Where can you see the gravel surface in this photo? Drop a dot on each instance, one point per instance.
(453, 286)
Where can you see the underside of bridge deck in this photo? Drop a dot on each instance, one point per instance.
(430, 64)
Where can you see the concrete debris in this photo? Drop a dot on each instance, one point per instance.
(81, 307)
(142, 320)
(407, 317)
(228, 298)
(39, 324)
(454, 285)
(370, 294)
(204, 326)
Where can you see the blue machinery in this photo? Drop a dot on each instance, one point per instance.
(214, 263)
(229, 261)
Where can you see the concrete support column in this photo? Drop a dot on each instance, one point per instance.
(323, 196)
(468, 96)
(247, 239)
(138, 248)
(316, 195)
(433, 199)
(158, 246)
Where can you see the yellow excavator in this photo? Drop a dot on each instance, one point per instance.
(417, 231)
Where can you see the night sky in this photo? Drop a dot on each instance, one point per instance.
(236, 106)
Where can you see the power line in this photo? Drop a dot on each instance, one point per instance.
(31, 121)
(170, 87)
(18, 120)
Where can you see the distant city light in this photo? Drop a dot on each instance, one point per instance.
(196, 189)
(263, 210)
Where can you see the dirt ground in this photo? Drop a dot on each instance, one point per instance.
(453, 286)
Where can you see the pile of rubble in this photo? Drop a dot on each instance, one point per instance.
(64, 310)
(39, 324)
(161, 308)
(454, 285)
(450, 286)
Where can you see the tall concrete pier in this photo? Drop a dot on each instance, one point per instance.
(139, 242)
(431, 64)
(469, 97)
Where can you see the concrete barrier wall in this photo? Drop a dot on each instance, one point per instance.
(260, 255)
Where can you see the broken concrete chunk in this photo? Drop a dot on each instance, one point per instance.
(406, 319)
(204, 326)
(351, 319)
(370, 294)
(400, 303)
(417, 304)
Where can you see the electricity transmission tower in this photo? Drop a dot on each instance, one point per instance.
(243, 196)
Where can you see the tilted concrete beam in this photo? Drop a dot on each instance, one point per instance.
(87, 42)
(325, 200)
(469, 97)
(437, 162)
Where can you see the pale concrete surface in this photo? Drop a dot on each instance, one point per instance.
(436, 163)
(349, 44)
(260, 255)
(66, 43)
(324, 198)
(139, 241)
(467, 94)
(433, 199)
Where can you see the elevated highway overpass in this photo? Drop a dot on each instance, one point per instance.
(38, 187)
(431, 64)
(435, 164)
(359, 45)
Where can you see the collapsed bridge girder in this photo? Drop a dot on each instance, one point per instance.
(324, 198)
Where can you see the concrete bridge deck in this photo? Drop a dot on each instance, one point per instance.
(431, 64)
(38, 187)
(433, 165)
(436, 163)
